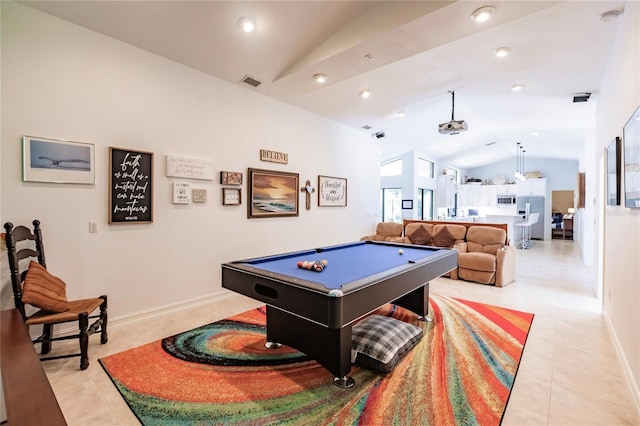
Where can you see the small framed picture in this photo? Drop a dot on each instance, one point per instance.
(407, 204)
(231, 197)
(57, 161)
(181, 193)
(231, 178)
(199, 195)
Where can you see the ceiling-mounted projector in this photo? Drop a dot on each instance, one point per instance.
(454, 126)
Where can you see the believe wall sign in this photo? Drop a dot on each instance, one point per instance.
(274, 156)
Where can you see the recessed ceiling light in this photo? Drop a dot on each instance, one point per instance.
(365, 94)
(483, 14)
(534, 133)
(517, 87)
(400, 114)
(247, 24)
(320, 78)
(501, 52)
(609, 16)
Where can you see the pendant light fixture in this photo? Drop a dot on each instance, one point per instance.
(516, 174)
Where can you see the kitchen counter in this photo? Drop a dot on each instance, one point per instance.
(510, 220)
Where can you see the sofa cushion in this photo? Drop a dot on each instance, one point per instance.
(43, 290)
(442, 237)
(379, 342)
(419, 234)
(477, 261)
(486, 239)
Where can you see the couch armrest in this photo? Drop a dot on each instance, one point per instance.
(461, 247)
(506, 260)
(367, 238)
(395, 239)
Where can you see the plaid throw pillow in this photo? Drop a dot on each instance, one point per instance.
(379, 342)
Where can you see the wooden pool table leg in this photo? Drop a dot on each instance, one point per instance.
(330, 347)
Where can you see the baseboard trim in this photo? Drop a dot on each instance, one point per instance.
(153, 312)
(167, 309)
(633, 386)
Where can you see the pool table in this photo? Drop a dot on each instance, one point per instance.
(314, 311)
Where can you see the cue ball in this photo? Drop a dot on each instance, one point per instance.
(400, 251)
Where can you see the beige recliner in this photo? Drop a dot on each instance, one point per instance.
(487, 259)
(386, 231)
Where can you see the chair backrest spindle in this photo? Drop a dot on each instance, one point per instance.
(14, 235)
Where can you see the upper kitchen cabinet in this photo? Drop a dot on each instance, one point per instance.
(529, 187)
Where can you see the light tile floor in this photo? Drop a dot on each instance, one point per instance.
(569, 374)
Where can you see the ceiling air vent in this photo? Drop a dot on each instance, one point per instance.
(251, 81)
(581, 97)
(366, 127)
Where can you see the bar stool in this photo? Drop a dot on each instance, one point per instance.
(525, 230)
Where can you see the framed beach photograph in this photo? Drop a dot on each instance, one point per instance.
(631, 142)
(272, 194)
(332, 191)
(614, 167)
(57, 161)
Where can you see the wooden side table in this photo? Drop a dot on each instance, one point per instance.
(567, 229)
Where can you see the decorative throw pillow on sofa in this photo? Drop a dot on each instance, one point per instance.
(443, 238)
(420, 236)
(43, 290)
(380, 342)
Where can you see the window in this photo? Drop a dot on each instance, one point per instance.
(391, 205)
(453, 173)
(425, 168)
(425, 204)
(394, 168)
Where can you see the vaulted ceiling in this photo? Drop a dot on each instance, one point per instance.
(408, 54)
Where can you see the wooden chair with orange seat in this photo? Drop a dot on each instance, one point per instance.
(34, 285)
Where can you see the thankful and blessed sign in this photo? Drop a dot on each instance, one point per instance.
(332, 191)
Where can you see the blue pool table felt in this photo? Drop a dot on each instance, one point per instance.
(347, 263)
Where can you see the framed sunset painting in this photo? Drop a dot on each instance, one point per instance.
(272, 193)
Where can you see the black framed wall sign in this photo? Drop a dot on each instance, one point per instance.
(130, 186)
(407, 204)
(614, 169)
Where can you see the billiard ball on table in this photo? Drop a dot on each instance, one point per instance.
(400, 251)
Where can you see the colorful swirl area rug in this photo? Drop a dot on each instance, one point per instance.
(460, 373)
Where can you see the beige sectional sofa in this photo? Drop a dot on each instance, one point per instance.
(484, 255)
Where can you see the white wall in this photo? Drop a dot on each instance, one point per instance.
(619, 96)
(62, 81)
